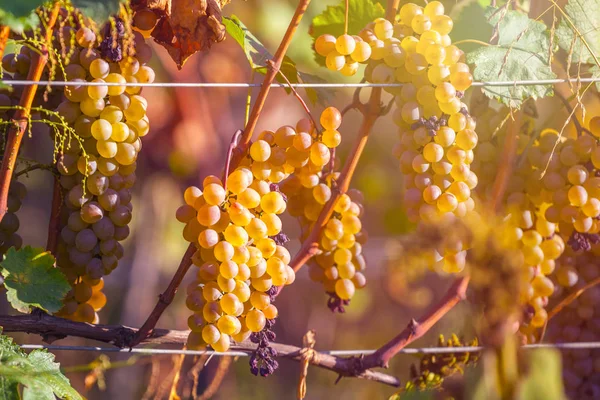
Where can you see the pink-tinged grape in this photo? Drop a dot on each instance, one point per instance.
(210, 334)
(325, 44)
(99, 69)
(85, 37)
(345, 44)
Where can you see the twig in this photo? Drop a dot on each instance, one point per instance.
(16, 130)
(509, 154)
(295, 92)
(54, 328)
(177, 365)
(574, 119)
(232, 145)
(34, 167)
(164, 299)
(417, 328)
(355, 104)
(392, 9)
(269, 78)
(4, 32)
(570, 298)
(222, 368)
(54, 224)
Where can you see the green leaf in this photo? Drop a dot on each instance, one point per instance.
(469, 24)
(544, 380)
(97, 10)
(331, 20)
(37, 372)
(20, 8)
(258, 55)
(584, 16)
(521, 54)
(32, 281)
(18, 24)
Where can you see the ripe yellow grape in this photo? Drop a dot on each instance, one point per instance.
(345, 44)
(325, 44)
(335, 61)
(255, 320)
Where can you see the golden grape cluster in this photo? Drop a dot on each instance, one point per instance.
(344, 53)
(98, 166)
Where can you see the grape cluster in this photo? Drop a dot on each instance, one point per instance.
(240, 264)
(339, 264)
(97, 168)
(437, 134)
(10, 222)
(343, 53)
(578, 322)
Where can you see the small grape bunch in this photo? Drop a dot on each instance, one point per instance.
(343, 53)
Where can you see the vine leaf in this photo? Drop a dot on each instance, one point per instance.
(585, 16)
(331, 20)
(37, 372)
(32, 281)
(521, 54)
(99, 11)
(257, 56)
(19, 15)
(469, 23)
(185, 26)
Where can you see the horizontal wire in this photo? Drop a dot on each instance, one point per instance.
(282, 85)
(414, 350)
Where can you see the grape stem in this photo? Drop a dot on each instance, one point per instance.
(54, 224)
(34, 167)
(164, 299)
(310, 247)
(4, 31)
(269, 78)
(571, 298)
(580, 129)
(295, 92)
(346, 18)
(53, 328)
(235, 139)
(17, 129)
(371, 111)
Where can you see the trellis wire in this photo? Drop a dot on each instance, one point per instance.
(414, 350)
(284, 85)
